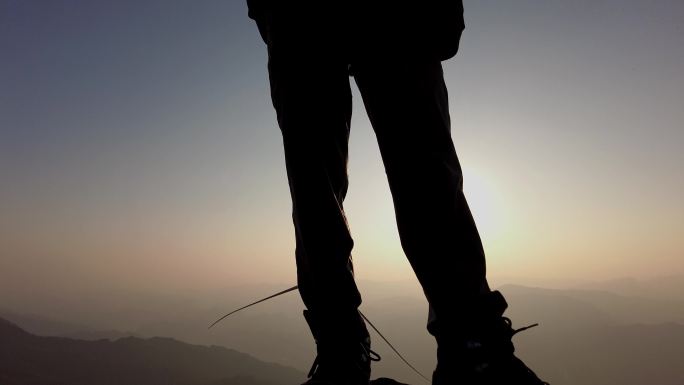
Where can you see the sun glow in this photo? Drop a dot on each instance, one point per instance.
(485, 203)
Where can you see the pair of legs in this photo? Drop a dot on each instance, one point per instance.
(406, 101)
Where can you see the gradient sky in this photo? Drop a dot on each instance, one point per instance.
(138, 146)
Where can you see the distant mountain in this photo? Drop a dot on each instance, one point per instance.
(669, 287)
(617, 308)
(45, 326)
(624, 355)
(41, 325)
(27, 359)
(585, 337)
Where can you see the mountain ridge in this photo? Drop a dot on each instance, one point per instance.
(28, 359)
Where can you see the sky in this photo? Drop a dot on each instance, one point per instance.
(139, 148)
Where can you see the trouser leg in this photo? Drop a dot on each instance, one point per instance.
(311, 94)
(408, 108)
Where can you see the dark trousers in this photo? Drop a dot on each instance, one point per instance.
(406, 100)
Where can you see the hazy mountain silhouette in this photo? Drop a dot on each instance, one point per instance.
(45, 326)
(585, 337)
(27, 359)
(669, 287)
(617, 307)
(41, 325)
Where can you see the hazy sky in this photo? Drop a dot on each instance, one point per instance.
(138, 146)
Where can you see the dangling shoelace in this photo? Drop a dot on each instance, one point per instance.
(516, 331)
(370, 354)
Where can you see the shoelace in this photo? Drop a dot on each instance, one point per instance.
(513, 332)
(394, 349)
(368, 353)
(516, 331)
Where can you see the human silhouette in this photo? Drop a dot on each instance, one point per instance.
(393, 49)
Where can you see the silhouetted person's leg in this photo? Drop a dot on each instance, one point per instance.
(311, 94)
(408, 108)
(406, 101)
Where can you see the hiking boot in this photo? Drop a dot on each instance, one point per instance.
(340, 360)
(486, 357)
